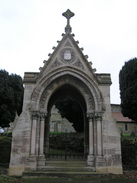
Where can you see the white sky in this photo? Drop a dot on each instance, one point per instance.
(106, 29)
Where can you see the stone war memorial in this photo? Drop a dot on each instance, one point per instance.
(67, 72)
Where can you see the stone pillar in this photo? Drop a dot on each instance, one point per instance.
(91, 157)
(91, 137)
(31, 163)
(42, 128)
(41, 157)
(47, 130)
(100, 162)
(35, 116)
(99, 135)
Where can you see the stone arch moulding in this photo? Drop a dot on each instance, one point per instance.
(42, 93)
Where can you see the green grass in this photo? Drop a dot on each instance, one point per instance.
(125, 135)
(128, 178)
(8, 179)
(128, 137)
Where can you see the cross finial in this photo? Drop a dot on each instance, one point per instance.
(68, 14)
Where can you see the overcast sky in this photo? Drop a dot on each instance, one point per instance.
(106, 29)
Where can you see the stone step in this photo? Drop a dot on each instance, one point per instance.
(66, 163)
(61, 174)
(65, 169)
(66, 166)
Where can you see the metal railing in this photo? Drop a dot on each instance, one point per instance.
(66, 146)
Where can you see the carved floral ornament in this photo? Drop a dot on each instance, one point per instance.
(64, 80)
(94, 115)
(38, 114)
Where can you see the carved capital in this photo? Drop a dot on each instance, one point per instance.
(98, 115)
(43, 115)
(94, 115)
(35, 114)
(91, 115)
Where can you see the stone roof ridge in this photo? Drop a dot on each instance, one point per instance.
(68, 55)
(69, 42)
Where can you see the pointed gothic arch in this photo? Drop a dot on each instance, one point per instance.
(66, 68)
(89, 91)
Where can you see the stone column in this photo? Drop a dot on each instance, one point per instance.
(99, 134)
(91, 137)
(41, 158)
(33, 132)
(100, 162)
(42, 128)
(91, 158)
(31, 163)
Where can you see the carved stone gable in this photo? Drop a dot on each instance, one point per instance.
(79, 64)
(67, 55)
(67, 44)
(55, 64)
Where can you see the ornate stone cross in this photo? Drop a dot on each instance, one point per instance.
(68, 14)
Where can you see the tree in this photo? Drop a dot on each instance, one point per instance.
(11, 97)
(70, 109)
(128, 89)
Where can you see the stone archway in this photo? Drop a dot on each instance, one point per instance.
(68, 84)
(73, 92)
(68, 67)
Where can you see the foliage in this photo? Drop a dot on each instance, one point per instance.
(8, 179)
(5, 148)
(5, 138)
(70, 142)
(70, 109)
(11, 97)
(129, 149)
(128, 89)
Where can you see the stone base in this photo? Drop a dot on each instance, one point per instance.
(41, 160)
(100, 164)
(16, 170)
(91, 160)
(115, 169)
(31, 163)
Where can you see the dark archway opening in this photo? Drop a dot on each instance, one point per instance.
(70, 109)
(71, 105)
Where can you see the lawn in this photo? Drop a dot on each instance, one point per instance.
(130, 177)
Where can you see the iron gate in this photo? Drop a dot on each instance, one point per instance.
(66, 146)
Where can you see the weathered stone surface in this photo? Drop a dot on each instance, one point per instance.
(67, 72)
